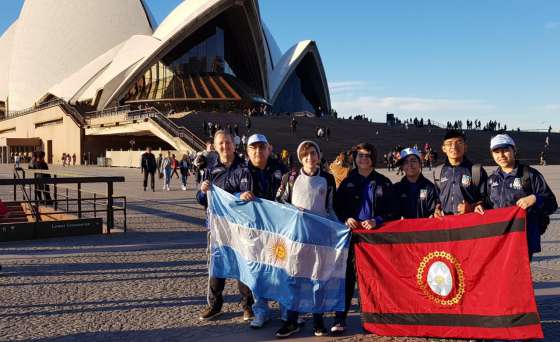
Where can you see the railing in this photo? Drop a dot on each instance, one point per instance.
(75, 201)
(108, 112)
(18, 113)
(27, 197)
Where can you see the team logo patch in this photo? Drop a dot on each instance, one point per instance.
(517, 184)
(278, 174)
(494, 184)
(466, 180)
(423, 194)
(441, 278)
(243, 180)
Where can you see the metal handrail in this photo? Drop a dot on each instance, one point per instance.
(26, 196)
(18, 113)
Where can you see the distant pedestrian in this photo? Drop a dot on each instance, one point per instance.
(148, 167)
(184, 167)
(174, 166)
(166, 170)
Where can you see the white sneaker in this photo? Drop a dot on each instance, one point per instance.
(168, 188)
(259, 321)
(184, 188)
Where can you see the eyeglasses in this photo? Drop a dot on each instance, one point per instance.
(363, 155)
(454, 143)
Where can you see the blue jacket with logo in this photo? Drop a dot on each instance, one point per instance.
(233, 179)
(505, 189)
(416, 200)
(455, 185)
(267, 182)
(363, 198)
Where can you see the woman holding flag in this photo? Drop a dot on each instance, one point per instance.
(364, 200)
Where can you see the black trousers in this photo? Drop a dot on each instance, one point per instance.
(350, 284)
(152, 182)
(216, 299)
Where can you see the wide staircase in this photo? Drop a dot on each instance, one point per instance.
(347, 133)
(16, 214)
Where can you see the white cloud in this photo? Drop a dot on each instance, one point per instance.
(551, 25)
(408, 105)
(346, 86)
(553, 107)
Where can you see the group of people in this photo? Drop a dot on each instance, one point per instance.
(363, 198)
(166, 166)
(68, 159)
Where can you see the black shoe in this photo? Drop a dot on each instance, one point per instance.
(209, 314)
(144, 189)
(287, 329)
(319, 329)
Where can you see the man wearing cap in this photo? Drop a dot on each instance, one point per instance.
(230, 173)
(417, 196)
(266, 174)
(513, 183)
(461, 185)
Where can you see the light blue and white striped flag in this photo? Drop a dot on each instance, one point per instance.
(294, 257)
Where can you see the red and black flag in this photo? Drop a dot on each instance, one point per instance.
(464, 276)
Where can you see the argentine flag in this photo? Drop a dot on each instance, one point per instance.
(280, 252)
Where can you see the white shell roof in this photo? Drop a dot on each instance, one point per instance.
(56, 38)
(6, 43)
(73, 49)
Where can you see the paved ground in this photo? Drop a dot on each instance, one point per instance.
(150, 283)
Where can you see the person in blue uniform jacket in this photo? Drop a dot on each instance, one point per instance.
(461, 185)
(230, 173)
(513, 183)
(417, 196)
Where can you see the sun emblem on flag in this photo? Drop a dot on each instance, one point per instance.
(279, 251)
(441, 278)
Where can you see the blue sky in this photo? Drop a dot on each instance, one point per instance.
(444, 59)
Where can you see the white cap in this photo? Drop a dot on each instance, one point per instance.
(407, 152)
(501, 141)
(257, 138)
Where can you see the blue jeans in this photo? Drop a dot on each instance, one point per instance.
(167, 175)
(260, 308)
(184, 179)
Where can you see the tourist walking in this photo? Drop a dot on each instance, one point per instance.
(166, 170)
(148, 167)
(184, 167)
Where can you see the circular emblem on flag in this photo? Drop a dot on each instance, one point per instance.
(441, 278)
(279, 251)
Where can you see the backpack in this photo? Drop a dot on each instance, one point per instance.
(476, 172)
(544, 220)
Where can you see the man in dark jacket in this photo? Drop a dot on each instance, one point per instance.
(461, 185)
(513, 183)
(266, 174)
(148, 166)
(417, 196)
(364, 200)
(231, 174)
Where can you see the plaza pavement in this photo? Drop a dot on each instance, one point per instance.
(149, 284)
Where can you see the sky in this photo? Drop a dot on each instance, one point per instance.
(438, 59)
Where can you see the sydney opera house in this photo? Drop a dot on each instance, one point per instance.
(80, 77)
